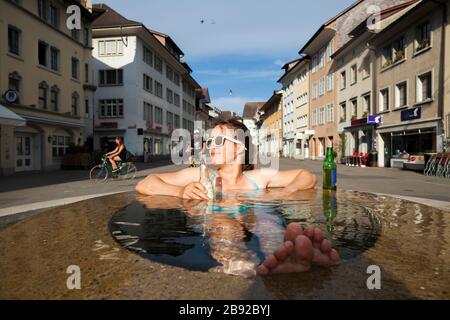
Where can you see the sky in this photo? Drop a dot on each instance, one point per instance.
(237, 45)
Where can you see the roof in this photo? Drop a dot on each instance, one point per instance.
(323, 26)
(111, 18)
(250, 109)
(419, 5)
(303, 58)
(360, 29)
(274, 98)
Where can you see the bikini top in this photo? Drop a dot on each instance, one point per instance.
(252, 181)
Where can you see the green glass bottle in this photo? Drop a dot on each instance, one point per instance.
(329, 171)
(329, 208)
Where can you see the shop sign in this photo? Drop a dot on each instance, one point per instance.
(110, 125)
(411, 114)
(375, 119)
(359, 122)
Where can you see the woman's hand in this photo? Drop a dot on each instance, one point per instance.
(194, 190)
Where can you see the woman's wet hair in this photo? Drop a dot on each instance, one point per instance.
(120, 139)
(235, 124)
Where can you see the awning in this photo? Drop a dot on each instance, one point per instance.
(9, 118)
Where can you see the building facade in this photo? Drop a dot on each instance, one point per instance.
(356, 84)
(250, 117)
(46, 69)
(144, 90)
(410, 86)
(271, 128)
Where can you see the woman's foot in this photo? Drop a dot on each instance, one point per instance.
(301, 249)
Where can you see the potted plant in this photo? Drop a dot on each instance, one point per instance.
(387, 63)
(400, 55)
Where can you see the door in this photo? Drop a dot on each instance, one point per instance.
(24, 156)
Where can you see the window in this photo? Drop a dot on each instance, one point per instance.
(111, 108)
(366, 67)
(111, 77)
(330, 82)
(399, 49)
(110, 48)
(321, 58)
(314, 63)
(176, 99)
(330, 117)
(86, 108)
(87, 37)
(401, 93)
(53, 16)
(158, 89)
(353, 74)
(366, 105)
(75, 98)
(315, 90)
(343, 110)
(75, 67)
(169, 73)
(42, 9)
(158, 64)
(14, 40)
(158, 115)
(329, 50)
(86, 73)
(176, 79)
(60, 144)
(424, 87)
(148, 113)
(54, 58)
(169, 96)
(354, 104)
(343, 80)
(384, 100)
(321, 86)
(148, 83)
(169, 117)
(393, 52)
(423, 39)
(321, 115)
(42, 53)
(54, 98)
(14, 83)
(75, 33)
(148, 56)
(43, 88)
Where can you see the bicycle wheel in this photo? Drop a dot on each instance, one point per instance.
(99, 173)
(128, 172)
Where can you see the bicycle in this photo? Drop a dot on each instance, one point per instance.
(101, 172)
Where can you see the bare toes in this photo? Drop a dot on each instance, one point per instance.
(303, 249)
(325, 246)
(283, 251)
(271, 262)
(318, 236)
(334, 256)
(292, 231)
(309, 232)
(262, 270)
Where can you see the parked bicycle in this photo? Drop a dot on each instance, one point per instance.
(127, 171)
(438, 165)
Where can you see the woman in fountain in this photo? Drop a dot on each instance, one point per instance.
(230, 159)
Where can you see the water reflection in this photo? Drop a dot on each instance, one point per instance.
(235, 234)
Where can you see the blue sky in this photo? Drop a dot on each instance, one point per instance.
(241, 45)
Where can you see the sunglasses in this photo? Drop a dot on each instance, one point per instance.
(219, 140)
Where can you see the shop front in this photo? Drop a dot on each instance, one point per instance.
(412, 136)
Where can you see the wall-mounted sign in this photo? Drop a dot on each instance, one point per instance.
(111, 125)
(411, 114)
(359, 122)
(375, 119)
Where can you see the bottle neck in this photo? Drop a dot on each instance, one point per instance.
(330, 154)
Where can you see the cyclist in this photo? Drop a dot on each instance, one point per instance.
(118, 154)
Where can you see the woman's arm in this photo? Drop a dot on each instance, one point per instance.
(183, 184)
(291, 180)
(112, 152)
